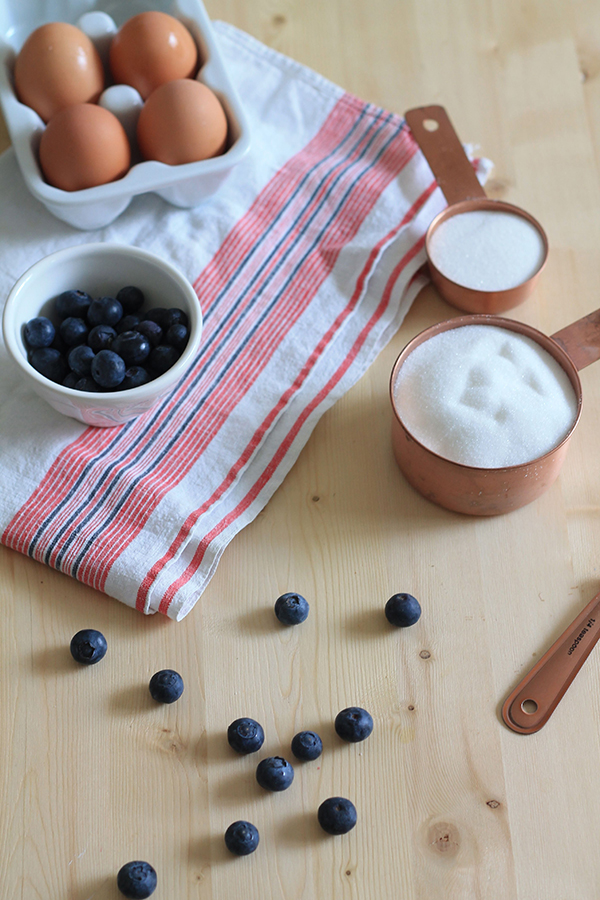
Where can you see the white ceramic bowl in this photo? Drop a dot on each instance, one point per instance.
(101, 270)
(185, 185)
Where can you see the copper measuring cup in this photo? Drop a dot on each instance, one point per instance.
(485, 491)
(456, 177)
(530, 705)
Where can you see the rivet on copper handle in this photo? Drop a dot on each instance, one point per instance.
(532, 702)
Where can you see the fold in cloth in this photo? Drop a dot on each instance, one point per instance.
(305, 262)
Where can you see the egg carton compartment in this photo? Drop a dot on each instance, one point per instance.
(184, 185)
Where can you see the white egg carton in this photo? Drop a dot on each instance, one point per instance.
(185, 185)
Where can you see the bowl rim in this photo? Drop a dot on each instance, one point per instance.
(11, 322)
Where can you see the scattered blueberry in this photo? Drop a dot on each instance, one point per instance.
(108, 369)
(127, 323)
(88, 646)
(134, 377)
(337, 815)
(132, 346)
(87, 383)
(73, 331)
(403, 610)
(150, 330)
(166, 686)
(242, 838)
(131, 298)
(50, 363)
(177, 336)
(291, 609)
(137, 880)
(80, 360)
(163, 357)
(354, 724)
(101, 337)
(274, 773)
(39, 332)
(245, 736)
(104, 311)
(307, 745)
(72, 303)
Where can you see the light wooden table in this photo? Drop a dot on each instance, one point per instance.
(451, 804)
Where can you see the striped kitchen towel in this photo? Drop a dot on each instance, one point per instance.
(305, 263)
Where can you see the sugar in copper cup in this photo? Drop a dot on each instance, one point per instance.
(480, 491)
(456, 177)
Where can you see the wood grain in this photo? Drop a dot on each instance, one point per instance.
(451, 804)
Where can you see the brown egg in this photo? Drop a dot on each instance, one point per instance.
(150, 49)
(83, 146)
(57, 66)
(181, 122)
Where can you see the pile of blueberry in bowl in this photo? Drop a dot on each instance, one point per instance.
(102, 331)
(105, 343)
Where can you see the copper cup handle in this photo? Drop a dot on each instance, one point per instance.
(581, 340)
(536, 697)
(433, 132)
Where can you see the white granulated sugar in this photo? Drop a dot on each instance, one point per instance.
(485, 396)
(487, 250)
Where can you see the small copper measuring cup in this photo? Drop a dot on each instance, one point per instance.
(456, 177)
(485, 491)
(529, 706)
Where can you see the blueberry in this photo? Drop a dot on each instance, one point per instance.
(150, 330)
(80, 360)
(132, 347)
(72, 303)
(134, 377)
(101, 337)
(39, 332)
(70, 379)
(291, 609)
(130, 298)
(174, 316)
(73, 331)
(87, 383)
(127, 323)
(159, 315)
(166, 686)
(50, 363)
(307, 745)
(59, 344)
(163, 357)
(354, 724)
(242, 838)
(88, 646)
(274, 773)
(108, 369)
(403, 610)
(177, 336)
(245, 736)
(337, 815)
(137, 880)
(104, 311)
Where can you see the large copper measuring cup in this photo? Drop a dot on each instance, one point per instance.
(456, 177)
(485, 491)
